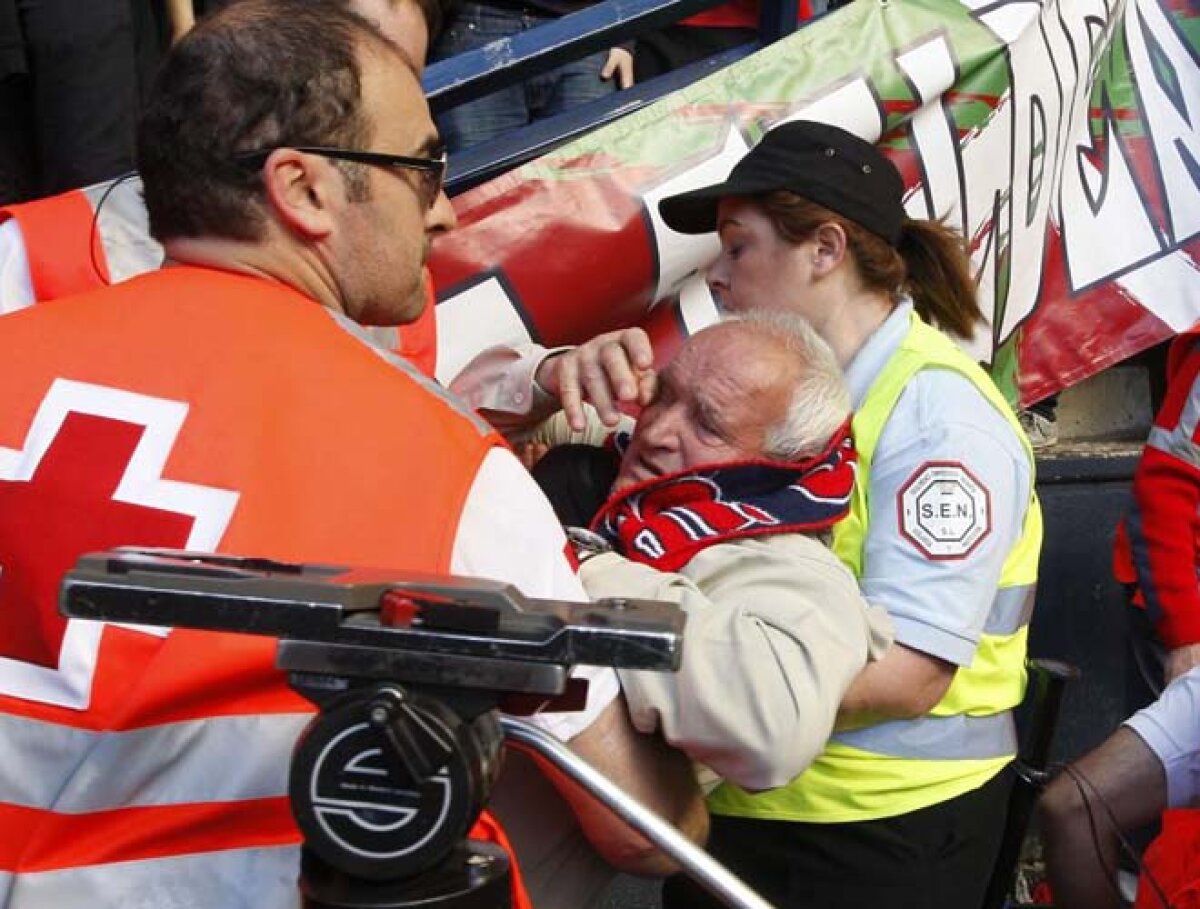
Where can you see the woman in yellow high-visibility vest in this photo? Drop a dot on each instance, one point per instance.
(906, 806)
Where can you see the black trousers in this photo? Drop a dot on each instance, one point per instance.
(676, 46)
(939, 857)
(71, 111)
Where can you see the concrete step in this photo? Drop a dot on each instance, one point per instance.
(1111, 406)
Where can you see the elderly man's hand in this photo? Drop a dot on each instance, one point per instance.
(609, 370)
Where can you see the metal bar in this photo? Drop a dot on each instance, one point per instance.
(1047, 681)
(706, 870)
(477, 165)
(508, 61)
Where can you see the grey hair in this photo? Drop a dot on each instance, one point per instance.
(820, 401)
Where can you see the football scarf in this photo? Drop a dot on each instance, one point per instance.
(665, 521)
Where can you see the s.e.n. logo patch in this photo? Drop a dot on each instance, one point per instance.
(945, 512)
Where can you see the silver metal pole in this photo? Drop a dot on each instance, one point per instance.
(710, 873)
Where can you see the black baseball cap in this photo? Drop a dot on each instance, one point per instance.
(823, 163)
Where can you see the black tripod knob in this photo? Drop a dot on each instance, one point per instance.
(384, 783)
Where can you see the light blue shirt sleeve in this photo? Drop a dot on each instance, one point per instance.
(1171, 728)
(949, 487)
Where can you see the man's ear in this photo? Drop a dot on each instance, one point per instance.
(829, 250)
(302, 191)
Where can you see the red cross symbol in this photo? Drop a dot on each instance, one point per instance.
(95, 483)
(63, 511)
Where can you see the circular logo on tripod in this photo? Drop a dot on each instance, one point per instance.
(366, 807)
(382, 803)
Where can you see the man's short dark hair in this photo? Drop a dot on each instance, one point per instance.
(255, 75)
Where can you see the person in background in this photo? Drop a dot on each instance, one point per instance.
(709, 32)
(1157, 551)
(69, 83)
(1155, 557)
(72, 80)
(1150, 764)
(477, 23)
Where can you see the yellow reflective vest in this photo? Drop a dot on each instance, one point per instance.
(903, 765)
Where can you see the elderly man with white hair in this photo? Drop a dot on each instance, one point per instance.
(722, 500)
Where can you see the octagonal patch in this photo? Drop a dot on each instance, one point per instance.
(945, 512)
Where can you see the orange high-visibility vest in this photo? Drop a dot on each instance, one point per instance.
(418, 340)
(71, 251)
(159, 412)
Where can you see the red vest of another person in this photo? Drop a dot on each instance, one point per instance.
(1158, 541)
(1173, 860)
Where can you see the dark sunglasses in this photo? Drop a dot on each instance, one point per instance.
(432, 170)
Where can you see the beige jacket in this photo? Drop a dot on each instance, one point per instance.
(776, 632)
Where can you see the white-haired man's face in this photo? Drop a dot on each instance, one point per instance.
(716, 402)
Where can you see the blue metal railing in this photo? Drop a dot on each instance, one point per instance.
(472, 75)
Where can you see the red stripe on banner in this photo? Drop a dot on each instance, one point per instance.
(1059, 343)
(1121, 113)
(991, 100)
(33, 839)
(902, 107)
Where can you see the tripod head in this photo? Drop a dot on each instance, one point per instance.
(408, 672)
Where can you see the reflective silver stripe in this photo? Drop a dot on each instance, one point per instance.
(931, 738)
(231, 879)
(386, 337)
(1011, 610)
(1178, 442)
(124, 227)
(78, 770)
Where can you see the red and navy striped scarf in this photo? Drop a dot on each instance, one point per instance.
(664, 521)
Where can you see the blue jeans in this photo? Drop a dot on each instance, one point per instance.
(551, 93)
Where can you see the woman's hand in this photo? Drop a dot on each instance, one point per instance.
(611, 369)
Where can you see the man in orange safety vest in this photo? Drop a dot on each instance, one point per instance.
(158, 411)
